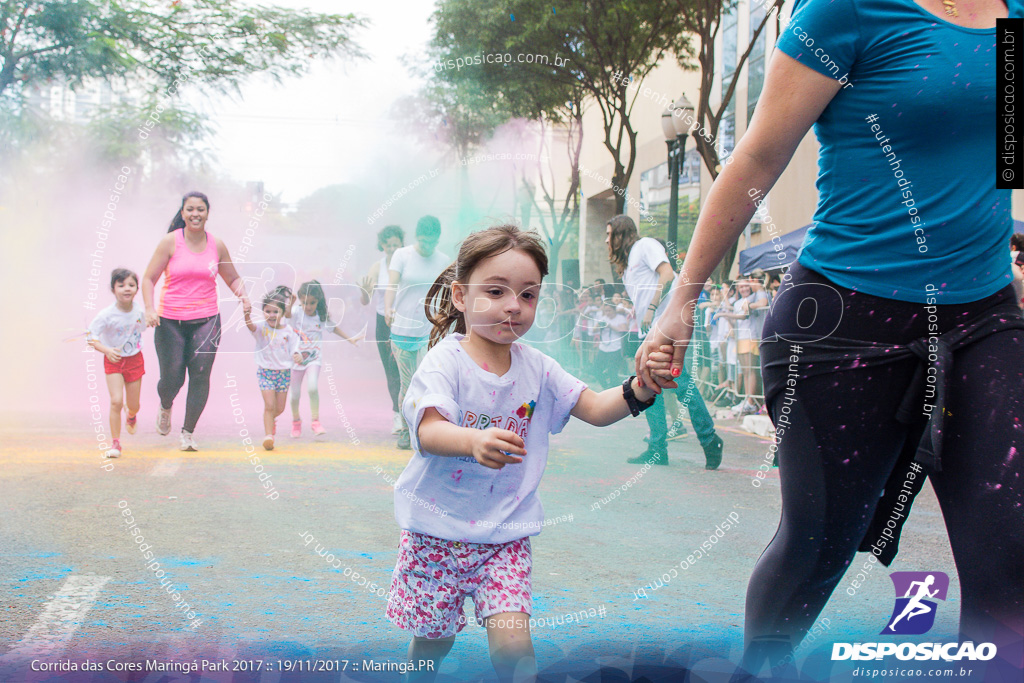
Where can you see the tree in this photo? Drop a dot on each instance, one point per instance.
(703, 19)
(215, 42)
(532, 95)
(459, 117)
(593, 45)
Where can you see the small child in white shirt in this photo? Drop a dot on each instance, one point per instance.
(480, 409)
(277, 350)
(116, 332)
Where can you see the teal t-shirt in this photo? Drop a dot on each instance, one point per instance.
(907, 198)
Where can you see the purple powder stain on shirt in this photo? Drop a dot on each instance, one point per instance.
(492, 488)
(457, 476)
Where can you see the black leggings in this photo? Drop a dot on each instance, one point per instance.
(387, 359)
(843, 441)
(186, 345)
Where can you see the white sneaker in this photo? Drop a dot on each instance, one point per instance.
(739, 406)
(188, 443)
(114, 452)
(163, 422)
(397, 423)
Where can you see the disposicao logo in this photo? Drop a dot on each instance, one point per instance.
(914, 614)
(916, 592)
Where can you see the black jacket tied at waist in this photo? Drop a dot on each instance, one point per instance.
(935, 352)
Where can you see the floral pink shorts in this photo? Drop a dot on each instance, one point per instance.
(433, 576)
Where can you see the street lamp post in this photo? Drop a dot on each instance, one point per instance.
(669, 129)
(675, 125)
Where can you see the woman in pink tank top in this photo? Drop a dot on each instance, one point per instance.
(187, 319)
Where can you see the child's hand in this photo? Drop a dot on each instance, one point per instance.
(356, 339)
(113, 356)
(297, 357)
(494, 448)
(246, 306)
(152, 318)
(660, 362)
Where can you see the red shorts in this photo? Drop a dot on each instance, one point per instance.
(131, 367)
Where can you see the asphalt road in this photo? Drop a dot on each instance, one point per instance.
(76, 587)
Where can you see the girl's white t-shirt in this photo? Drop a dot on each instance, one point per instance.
(311, 333)
(456, 498)
(120, 330)
(275, 346)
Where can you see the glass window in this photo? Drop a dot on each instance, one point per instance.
(730, 38)
(727, 130)
(755, 62)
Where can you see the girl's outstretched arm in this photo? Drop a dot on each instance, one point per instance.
(604, 408)
(246, 310)
(355, 339)
(492, 447)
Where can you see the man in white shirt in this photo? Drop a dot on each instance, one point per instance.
(412, 271)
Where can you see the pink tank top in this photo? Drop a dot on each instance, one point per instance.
(190, 281)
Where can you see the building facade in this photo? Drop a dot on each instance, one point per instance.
(790, 204)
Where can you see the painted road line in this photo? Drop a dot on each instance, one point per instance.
(166, 468)
(61, 617)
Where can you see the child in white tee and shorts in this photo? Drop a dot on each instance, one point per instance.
(480, 409)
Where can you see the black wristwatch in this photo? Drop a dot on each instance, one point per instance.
(636, 406)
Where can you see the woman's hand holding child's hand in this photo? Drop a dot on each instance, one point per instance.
(297, 357)
(660, 363)
(495, 448)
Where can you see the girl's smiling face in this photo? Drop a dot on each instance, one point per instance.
(499, 301)
(273, 314)
(309, 305)
(125, 290)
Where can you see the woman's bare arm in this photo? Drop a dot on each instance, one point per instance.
(793, 98)
(157, 265)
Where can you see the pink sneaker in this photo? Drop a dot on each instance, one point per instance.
(297, 428)
(318, 428)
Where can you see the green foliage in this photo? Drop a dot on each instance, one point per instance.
(587, 49)
(220, 42)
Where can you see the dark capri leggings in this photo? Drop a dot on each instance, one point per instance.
(186, 345)
(843, 441)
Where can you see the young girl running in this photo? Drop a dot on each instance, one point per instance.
(277, 350)
(309, 318)
(480, 409)
(116, 332)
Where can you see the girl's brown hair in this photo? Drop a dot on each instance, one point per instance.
(440, 308)
(624, 236)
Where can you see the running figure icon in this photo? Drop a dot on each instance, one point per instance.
(915, 607)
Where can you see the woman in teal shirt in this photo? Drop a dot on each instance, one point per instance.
(909, 358)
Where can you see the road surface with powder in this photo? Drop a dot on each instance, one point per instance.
(76, 586)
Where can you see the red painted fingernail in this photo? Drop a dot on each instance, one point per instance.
(675, 372)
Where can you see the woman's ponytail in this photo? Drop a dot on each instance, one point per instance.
(440, 308)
